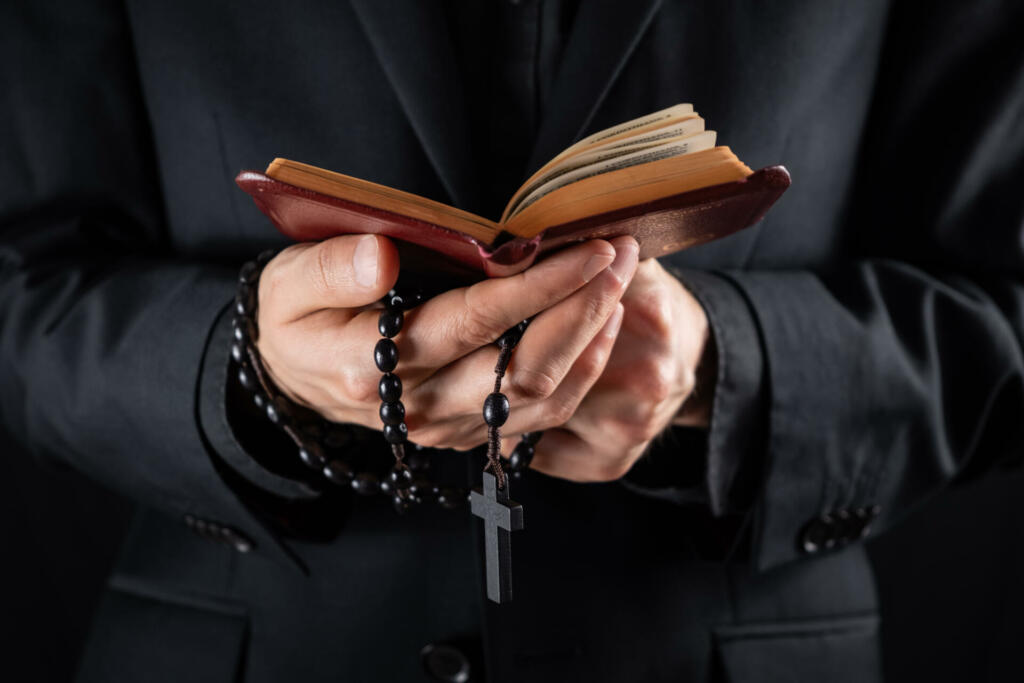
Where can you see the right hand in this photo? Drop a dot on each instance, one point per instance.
(318, 310)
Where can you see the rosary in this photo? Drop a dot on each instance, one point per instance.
(491, 501)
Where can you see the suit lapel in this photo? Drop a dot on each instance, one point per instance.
(412, 44)
(604, 35)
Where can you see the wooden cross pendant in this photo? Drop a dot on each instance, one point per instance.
(501, 517)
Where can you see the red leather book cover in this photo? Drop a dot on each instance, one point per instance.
(661, 227)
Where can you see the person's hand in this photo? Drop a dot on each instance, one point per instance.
(648, 384)
(318, 329)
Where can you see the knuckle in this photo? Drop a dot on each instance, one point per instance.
(561, 411)
(689, 381)
(476, 325)
(591, 363)
(653, 380)
(634, 423)
(598, 305)
(271, 281)
(653, 315)
(533, 384)
(643, 427)
(326, 273)
(611, 470)
(359, 387)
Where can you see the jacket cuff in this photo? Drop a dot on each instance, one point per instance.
(268, 480)
(214, 419)
(818, 485)
(736, 437)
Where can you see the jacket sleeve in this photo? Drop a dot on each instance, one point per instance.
(895, 372)
(104, 326)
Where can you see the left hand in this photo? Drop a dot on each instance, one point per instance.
(649, 382)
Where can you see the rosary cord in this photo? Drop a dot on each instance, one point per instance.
(265, 384)
(494, 426)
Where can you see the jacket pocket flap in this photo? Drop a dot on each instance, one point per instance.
(141, 634)
(840, 650)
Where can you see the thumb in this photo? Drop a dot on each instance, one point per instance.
(348, 271)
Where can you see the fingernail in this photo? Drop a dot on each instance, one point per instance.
(625, 259)
(614, 322)
(364, 261)
(595, 264)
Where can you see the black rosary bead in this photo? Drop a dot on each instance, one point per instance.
(422, 490)
(417, 460)
(496, 409)
(265, 256)
(395, 434)
(390, 323)
(390, 388)
(245, 378)
(400, 478)
(400, 503)
(520, 457)
(392, 413)
(449, 499)
(366, 484)
(405, 299)
(413, 296)
(278, 411)
(318, 442)
(512, 335)
(338, 472)
(531, 437)
(243, 330)
(245, 301)
(312, 456)
(249, 274)
(385, 355)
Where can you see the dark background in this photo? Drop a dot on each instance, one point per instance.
(949, 576)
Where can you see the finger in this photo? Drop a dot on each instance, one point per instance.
(562, 404)
(436, 403)
(460, 321)
(343, 272)
(453, 324)
(556, 337)
(464, 427)
(562, 453)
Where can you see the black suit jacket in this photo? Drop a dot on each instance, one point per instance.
(869, 329)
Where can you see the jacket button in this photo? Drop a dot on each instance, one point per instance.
(846, 527)
(219, 532)
(445, 663)
(817, 535)
(236, 540)
(864, 516)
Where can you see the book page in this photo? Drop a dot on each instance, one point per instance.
(382, 197)
(602, 152)
(658, 118)
(684, 145)
(629, 186)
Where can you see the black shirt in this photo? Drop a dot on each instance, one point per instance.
(508, 53)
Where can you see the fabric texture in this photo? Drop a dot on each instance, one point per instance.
(869, 329)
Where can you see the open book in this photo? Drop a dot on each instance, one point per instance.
(660, 178)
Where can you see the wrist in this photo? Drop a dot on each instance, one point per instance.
(696, 408)
(699, 360)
